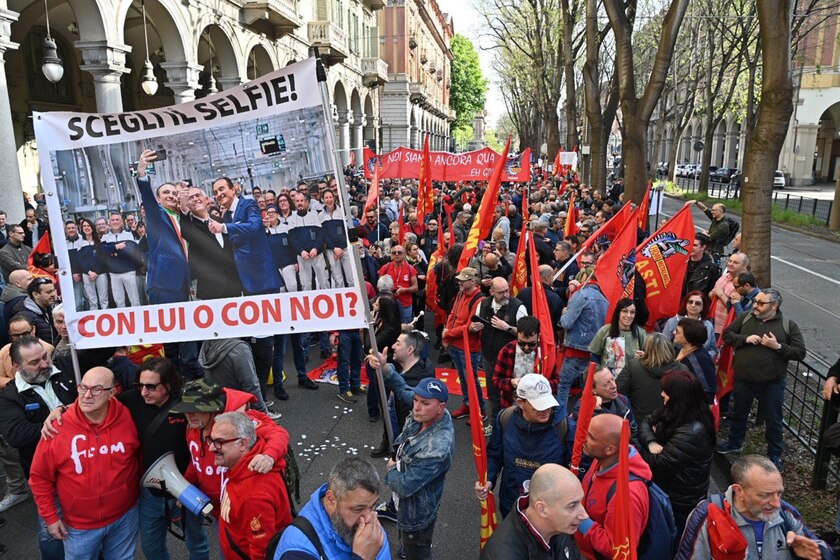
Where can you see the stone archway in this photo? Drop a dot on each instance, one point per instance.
(216, 55)
(342, 127)
(259, 62)
(827, 160)
(358, 122)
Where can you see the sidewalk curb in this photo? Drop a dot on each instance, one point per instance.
(786, 227)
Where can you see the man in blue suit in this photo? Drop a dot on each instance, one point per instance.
(244, 227)
(167, 273)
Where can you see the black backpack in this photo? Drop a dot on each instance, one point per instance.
(734, 226)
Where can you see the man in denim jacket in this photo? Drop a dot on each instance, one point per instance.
(424, 455)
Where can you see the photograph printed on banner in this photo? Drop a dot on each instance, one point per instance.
(232, 210)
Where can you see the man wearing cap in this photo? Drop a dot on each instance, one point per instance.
(424, 455)
(533, 432)
(545, 518)
(461, 320)
(201, 403)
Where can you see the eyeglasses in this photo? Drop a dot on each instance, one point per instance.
(525, 344)
(397, 252)
(219, 442)
(18, 335)
(96, 390)
(587, 263)
(694, 302)
(757, 303)
(147, 386)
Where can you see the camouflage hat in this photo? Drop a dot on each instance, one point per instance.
(200, 396)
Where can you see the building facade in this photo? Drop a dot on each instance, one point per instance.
(414, 41)
(195, 49)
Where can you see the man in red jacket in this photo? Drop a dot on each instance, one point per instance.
(602, 443)
(460, 319)
(93, 466)
(254, 506)
(201, 403)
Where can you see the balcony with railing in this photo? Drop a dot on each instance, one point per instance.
(330, 39)
(417, 93)
(280, 14)
(374, 71)
(374, 5)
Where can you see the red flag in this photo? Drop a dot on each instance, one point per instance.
(571, 228)
(42, 247)
(486, 210)
(614, 270)
(520, 271)
(556, 170)
(725, 374)
(441, 239)
(373, 192)
(547, 354)
(425, 192)
(587, 408)
(662, 260)
(401, 222)
(644, 209)
(609, 230)
(369, 161)
(431, 288)
(488, 506)
(623, 527)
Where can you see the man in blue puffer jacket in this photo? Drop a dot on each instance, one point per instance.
(342, 514)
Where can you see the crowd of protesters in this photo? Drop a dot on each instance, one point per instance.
(427, 311)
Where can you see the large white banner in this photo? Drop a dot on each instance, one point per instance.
(194, 282)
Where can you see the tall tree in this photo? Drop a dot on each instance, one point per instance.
(636, 111)
(469, 86)
(774, 112)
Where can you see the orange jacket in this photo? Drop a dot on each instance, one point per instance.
(465, 306)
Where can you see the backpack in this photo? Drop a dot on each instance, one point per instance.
(734, 226)
(305, 527)
(660, 533)
(504, 419)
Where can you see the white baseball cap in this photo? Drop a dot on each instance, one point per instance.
(535, 389)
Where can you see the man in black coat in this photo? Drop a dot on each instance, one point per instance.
(555, 304)
(544, 520)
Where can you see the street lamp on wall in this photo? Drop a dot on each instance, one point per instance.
(149, 83)
(52, 67)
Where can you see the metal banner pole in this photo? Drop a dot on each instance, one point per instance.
(354, 238)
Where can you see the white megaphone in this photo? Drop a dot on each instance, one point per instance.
(164, 475)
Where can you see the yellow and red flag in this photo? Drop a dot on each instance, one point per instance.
(587, 408)
(615, 269)
(571, 228)
(425, 192)
(644, 209)
(488, 506)
(486, 211)
(662, 260)
(520, 269)
(623, 526)
(547, 354)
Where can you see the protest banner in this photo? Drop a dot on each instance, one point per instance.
(404, 163)
(229, 283)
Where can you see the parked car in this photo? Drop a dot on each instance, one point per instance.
(723, 174)
(679, 170)
(779, 180)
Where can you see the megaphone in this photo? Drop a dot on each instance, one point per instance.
(164, 475)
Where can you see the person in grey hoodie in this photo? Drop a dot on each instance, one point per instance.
(228, 362)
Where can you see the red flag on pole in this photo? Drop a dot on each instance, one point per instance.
(644, 209)
(609, 230)
(520, 271)
(486, 210)
(42, 247)
(571, 228)
(369, 161)
(556, 170)
(488, 506)
(587, 408)
(662, 260)
(547, 354)
(401, 222)
(623, 527)
(425, 192)
(614, 270)
(373, 192)
(725, 374)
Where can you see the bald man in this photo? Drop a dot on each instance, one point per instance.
(544, 520)
(602, 444)
(500, 313)
(93, 467)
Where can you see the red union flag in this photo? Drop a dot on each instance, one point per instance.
(425, 192)
(622, 529)
(547, 355)
(373, 192)
(520, 270)
(587, 409)
(644, 209)
(570, 228)
(608, 232)
(614, 270)
(662, 260)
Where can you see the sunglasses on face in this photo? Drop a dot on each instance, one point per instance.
(523, 344)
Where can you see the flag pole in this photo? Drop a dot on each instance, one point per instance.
(321, 73)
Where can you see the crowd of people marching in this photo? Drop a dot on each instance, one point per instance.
(600, 418)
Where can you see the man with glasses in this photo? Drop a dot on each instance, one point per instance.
(92, 467)
(516, 360)
(37, 307)
(501, 314)
(254, 506)
(764, 341)
(745, 292)
(429, 239)
(372, 229)
(19, 326)
(14, 255)
(405, 281)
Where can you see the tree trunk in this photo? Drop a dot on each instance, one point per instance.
(774, 112)
(572, 139)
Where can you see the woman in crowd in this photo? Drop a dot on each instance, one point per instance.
(678, 443)
(415, 259)
(695, 305)
(639, 380)
(94, 279)
(620, 340)
(690, 335)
